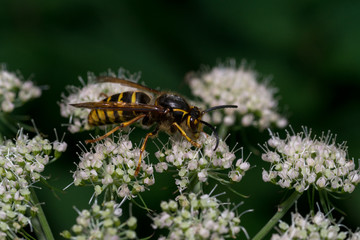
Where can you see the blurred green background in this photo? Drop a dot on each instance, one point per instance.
(310, 49)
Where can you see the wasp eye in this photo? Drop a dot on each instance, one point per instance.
(194, 123)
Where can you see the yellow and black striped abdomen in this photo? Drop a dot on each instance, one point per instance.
(101, 117)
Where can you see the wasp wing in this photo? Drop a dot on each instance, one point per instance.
(120, 106)
(127, 83)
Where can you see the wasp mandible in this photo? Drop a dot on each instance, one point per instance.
(169, 112)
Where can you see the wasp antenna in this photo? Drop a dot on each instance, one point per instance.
(214, 131)
(75, 104)
(219, 107)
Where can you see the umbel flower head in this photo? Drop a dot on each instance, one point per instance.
(201, 163)
(102, 222)
(14, 92)
(300, 160)
(316, 226)
(21, 163)
(198, 217)
(91, 91)
(229, 84)
(110, 165)
(355, 235)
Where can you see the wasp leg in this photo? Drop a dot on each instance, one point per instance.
(143, 148)
(185, 135)
(122, 125)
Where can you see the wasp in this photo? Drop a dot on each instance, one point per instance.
(169, 112)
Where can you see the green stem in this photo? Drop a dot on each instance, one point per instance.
(195, 186)
(4, 120)
(39, 222)
(26, 235)
(282, 209)
(312, 206)
(325, 202)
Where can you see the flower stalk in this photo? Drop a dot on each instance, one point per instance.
(282, 210)
(39, 221)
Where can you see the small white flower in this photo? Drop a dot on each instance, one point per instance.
(14, 92)
(197, 217)
(310, 227)
(22, 161)
(102, 222)
(7, 106)
(244, 166)
(202, 162)
(90, 92)
(60, 146)
(29, 91)
(110, 164)
(235, 176)
(229, 84)
(355, 235)
(265, 176)
(202, 175)
(300, 160)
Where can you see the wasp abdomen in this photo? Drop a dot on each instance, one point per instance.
(101, 117)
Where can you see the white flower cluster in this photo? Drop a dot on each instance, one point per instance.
(14, 92)
(197, 217)
(21, 163)
(311, 227)
(355, 235)
(300, 161)
(203, 162)
(111, 165)
(238, 86)
(102, 222)
(90, 92)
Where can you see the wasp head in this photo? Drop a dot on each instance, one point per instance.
(195, 123)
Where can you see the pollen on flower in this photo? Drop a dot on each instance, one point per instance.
(300, 160)
(229, 84)
(90, 91)
(110, 164)
(14, 91)
(102, 222)
(22, 161)
(312, 226)
(202, 162)
(198, 217)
